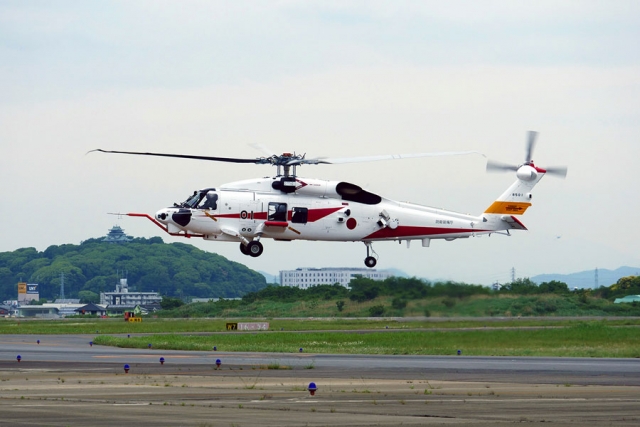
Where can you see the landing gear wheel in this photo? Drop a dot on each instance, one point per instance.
(254, 248)
(370, 261)
(243, 249)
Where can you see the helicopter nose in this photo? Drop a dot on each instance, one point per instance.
(182, 217)
(169, 216)
(162, 215)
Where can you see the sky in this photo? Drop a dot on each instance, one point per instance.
(330, 79)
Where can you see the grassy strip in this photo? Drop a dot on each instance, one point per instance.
(118, 326)
(590, 339)
(472, 306)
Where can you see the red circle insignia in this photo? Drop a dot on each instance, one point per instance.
(351, 223)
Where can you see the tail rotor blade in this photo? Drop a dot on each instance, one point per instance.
(531, 143)
(493, 166)
(560, 171)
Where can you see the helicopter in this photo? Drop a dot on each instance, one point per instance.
(288, 207)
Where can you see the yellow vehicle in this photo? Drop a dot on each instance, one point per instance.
(130, 316)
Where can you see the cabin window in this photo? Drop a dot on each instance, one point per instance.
(277, 212)
(299, 215)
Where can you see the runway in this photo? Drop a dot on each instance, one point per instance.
(63, 380)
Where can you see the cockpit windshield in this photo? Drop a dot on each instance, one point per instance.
(192, 201)
(204, 199)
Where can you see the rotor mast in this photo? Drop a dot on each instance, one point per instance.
(288, 162)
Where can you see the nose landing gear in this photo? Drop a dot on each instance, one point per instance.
(370, 261)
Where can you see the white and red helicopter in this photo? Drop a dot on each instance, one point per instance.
(287, 207)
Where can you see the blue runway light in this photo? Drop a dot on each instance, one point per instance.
(312, 388)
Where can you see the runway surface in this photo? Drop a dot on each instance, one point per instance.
(65, 381)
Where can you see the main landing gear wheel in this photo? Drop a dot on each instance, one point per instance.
(243, 249)
(255, 248)
(370, 261)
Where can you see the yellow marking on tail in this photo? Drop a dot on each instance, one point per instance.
(512, 208)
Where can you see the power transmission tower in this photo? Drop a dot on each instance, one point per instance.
(61, 285)
(513, 274)
(596, 280)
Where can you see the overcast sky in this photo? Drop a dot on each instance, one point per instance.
(334, 79)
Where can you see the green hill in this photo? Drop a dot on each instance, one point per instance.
(175, 269)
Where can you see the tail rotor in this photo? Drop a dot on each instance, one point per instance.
(495, 166)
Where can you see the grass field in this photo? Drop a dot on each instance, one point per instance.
(495, 337)
(149, 325)
(590, 339)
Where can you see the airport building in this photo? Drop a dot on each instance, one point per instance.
(49, 310)
(27, 292)
(122, 297)
(307, 277)
(5, 310)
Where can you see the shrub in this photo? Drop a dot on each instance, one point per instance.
(449, 302)
(168, 303)
(398, 303)
(376, 310)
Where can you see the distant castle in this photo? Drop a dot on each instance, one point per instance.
(116, 235)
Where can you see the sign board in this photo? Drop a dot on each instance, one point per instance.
(22, 288)
(32, 288)
(253, 326)
(248, 326)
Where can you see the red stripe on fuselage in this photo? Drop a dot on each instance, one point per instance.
(313, 215)
(317, 214)
(409, 231)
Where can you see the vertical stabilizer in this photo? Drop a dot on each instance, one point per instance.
(517, 198)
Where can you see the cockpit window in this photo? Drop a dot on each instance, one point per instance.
(203, 199)
(209, 201)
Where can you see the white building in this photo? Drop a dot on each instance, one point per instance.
(122, 296)
(307, 277)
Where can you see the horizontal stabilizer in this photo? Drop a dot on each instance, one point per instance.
(513, 222)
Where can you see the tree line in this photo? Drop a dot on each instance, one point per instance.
(404, 289)
(94, 266)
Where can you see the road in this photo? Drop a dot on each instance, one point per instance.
(64, 381)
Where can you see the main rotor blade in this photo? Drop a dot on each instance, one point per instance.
(560, 171)
(260, 147)
(493, 166)
(187, 156)
(531, 143)
(340, 160)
